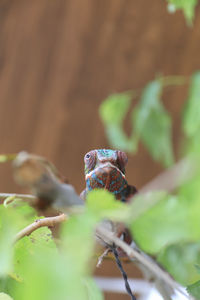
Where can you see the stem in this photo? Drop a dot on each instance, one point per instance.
(49, 222)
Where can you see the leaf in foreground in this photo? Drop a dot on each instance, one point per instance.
(180, 260)
(191, 115)
(194, 290)
(165, 223)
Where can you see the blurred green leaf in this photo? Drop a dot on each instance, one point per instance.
(103, 204)
(4, 296)
(180, 260)
(188, 7)
(28, 246)
(191, 115)
(189, 192)
(9, 226)
(93, 291)
(165, 223)
(112, 112)
(51, 274)
(153, 124)
(194, 289)
(197, 268)
(115, 107)
(78, 233)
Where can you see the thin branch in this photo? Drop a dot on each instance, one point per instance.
(148, 262)
(173, 177)
(49, 222)
(102, 256)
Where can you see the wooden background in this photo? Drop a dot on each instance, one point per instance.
(60, 59)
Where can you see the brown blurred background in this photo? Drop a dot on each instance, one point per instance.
(60, 59)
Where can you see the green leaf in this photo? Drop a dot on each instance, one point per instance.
(103, 204)
(28, 246)
(50, 274)
(114, 108)
(180, 260)
(165, 223)
(191, 115)
(153, 124)
(4, 296)
(190, 193)
(194, 290)
(188, 7)
(112, 112)
(78, 233)
(9, 226)
(197, 268)
(93, 291)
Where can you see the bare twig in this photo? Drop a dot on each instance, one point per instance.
(49, 222)
(102, 256)
(173, 177)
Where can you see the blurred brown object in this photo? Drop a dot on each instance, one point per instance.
(41, 177)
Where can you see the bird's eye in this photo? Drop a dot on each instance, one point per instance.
(87, 156)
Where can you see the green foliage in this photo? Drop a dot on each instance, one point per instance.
(35, 268)
(187, 6)
(153, 124)
(150, 122)
(165, 223)
(11, 221)
(194, 289)
(191, 113)
(112, 112)
(103, 204)
(180, 260)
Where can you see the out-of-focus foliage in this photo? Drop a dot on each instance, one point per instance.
(184, 256)
(191, 112)
(150, 122)
(187, 6)
(170, 230)
(36, 269)
(153, 124)
(113, 111)
(164, 224)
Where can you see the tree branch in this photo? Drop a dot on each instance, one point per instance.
(49, 222)
(173, 177)
(145, 260)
